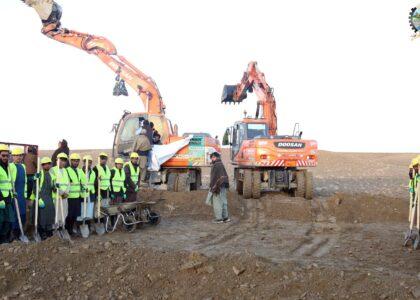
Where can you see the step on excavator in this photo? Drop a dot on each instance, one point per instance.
(262, 159)
(182, 172)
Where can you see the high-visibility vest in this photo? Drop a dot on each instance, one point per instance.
(118, 181)
(104, 177)
(61, 177)
(5, 182)
(134, 174)
(90, 184)
(13, 174)
(76, 181)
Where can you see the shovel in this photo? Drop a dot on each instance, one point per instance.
(416, 235)
(99, 227)
(37, 237)
(84, 229)
(411, 234)
(23, 238)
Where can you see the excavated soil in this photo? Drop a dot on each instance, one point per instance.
(344, 244)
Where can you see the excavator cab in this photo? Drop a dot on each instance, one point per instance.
(127, 130)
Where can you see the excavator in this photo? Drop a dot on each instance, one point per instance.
(182, 172)
(262, 159)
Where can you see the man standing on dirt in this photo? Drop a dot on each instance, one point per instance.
(102, 176)
(142, 147)
(46, 212)
(132, 178)
(76, 192)
(18, 174)
(219, 184)
(7, 216)
(118, 182)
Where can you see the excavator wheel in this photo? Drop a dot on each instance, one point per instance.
(256, 184)
(182, 184)
(197, 184)
(172, 181)
(247, 184)
(299, 191)
(309, 185)
(239, 185)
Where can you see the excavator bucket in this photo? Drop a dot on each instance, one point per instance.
(228, 93)
(120, 88)
(49, 11)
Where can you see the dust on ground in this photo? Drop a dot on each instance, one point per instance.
(344, 244)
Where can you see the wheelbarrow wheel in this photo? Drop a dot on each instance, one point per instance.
(153, 218)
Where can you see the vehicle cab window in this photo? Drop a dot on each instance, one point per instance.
(255, 130)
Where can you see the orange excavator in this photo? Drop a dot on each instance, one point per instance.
(264, 160)
(182, 172)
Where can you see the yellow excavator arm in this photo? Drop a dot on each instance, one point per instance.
(50, 13)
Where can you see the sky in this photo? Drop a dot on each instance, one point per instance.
(346, 71)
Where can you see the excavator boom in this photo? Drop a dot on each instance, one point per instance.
(253, 80)
(50, 14)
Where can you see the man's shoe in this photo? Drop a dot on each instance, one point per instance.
(227, 220)
(217, 221)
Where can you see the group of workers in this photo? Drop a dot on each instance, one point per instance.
(414, 175)
(71, 180)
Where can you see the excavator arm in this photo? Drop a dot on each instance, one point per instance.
(50, 13)
(254, 81)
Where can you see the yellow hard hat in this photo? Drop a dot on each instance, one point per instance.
(4, 147)
(74, 156)
(415, 161)
(103, 154)
(87, 157)
(62, 155)
(119, 161)
(46, 160)
(134, 155)
(17, 151)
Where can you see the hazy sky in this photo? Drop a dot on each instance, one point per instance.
(347, 71)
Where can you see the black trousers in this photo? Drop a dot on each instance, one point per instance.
(74, 210)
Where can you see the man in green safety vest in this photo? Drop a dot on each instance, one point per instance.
(118, 182)
(103, 176)
(76, 192)
(19, 181)
(62, 184)
(132, 177)
(7, 215)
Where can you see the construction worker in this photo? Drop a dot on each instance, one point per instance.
(30, 162)
(142, 147)
(90, 191)
(219, 184)
(118, 182)
(19, 181)
(132, 178)
(7, 215)
(62, 186)
(103, 175)
(413, 174)
(90, 184)
(46, 211)
(76, 192)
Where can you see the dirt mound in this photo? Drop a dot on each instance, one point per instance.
(120, 270)
(366, 208)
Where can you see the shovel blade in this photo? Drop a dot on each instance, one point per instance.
(24, 239)
(84, 230)
(99, 228)
(37, 237)
(416, 240)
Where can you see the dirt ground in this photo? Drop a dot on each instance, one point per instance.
(344, 244)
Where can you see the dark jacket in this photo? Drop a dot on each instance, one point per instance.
(149, 133)
(218, 177)
(63, 149)
(129, 184)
